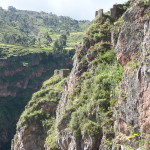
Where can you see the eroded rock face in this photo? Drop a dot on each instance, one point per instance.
(133, 52)
(26, 141)
(132, 110)
(20, 77)
(33, 137)
(66, 139)
(144, 78)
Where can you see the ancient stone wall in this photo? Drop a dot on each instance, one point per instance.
(62, 72)
(99, 14)
(113, 12)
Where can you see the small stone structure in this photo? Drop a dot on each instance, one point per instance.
(56, 72)
(113, 11)
(117, 11)
(96, 13)
(62, 72)
(99, 14)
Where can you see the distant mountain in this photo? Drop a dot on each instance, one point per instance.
(30, 28)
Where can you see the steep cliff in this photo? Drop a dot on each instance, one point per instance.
(20, 77)
(104, 103)
(132, 125)
(84, 115)
(38, 120)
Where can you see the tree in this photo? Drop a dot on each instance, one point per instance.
(60, 43)
(57, 46)
(11, 8)
(47, 39)
(63, 39)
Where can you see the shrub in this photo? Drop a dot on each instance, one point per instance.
(74, 121)
(77, 133)
(108, 57)
(90, 128)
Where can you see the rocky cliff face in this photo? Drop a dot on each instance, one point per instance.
(132, 109)
(105, 100)
(20, 77)
(133, 51)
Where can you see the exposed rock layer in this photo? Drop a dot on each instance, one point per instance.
(133, 51)
(20, 77)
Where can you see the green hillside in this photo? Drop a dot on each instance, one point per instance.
(39, 29)
(32, 46)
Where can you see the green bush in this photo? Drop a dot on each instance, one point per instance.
(90, 128)
(51, 140)
(74, 122)
(98, 36)
(77, 133)
(108, 57)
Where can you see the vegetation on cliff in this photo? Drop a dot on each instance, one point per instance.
(20, 77)
(86, 107)
(90, 106)
(40, 113)
(88, 116)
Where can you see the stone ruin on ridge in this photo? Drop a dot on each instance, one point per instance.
(62, 73)
(114, 12)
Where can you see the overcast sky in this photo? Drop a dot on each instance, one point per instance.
(77, 9)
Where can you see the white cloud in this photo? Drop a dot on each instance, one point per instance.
(78, 9)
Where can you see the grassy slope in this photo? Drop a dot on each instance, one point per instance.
(7, 50)
(35, 112)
